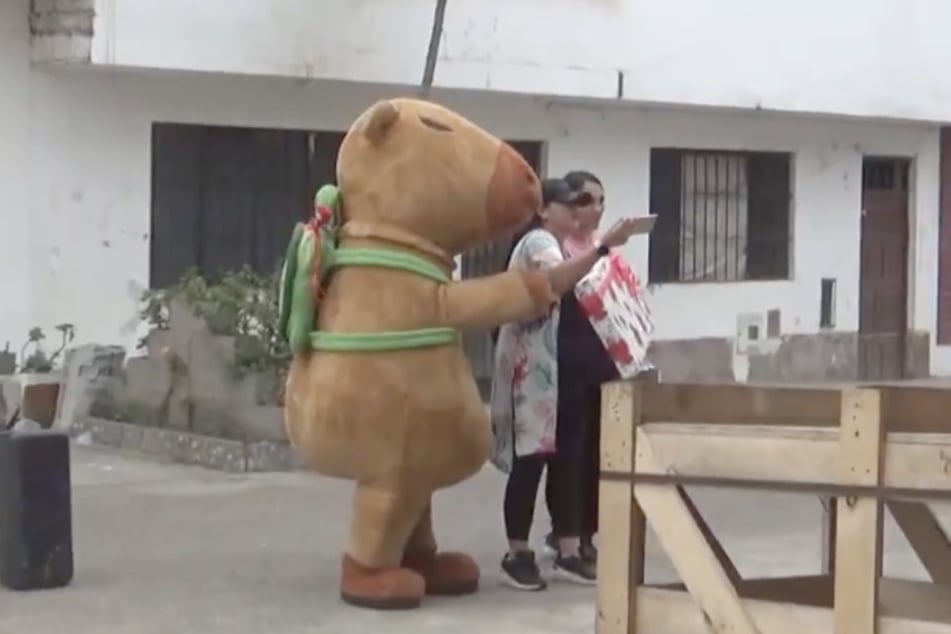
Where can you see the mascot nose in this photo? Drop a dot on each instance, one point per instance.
(514, 192)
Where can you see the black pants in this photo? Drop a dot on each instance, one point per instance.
(579, 414)
(561, 494)
(573, 471)
(579, 438)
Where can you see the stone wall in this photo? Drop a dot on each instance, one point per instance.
(791, 359)
(187, 381)
(212, 453)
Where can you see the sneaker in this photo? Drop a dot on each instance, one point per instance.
(551, 546)
(589, 553)
(575, 570)
(520, 572)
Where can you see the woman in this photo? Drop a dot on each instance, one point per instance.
(525, 397)
(583, 365)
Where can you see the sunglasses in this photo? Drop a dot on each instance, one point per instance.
(585, 198)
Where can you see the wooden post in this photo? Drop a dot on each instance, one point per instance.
(621, 523)
(925, 536)
(827, 548)
(858, 540)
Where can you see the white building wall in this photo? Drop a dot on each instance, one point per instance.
(857, 57)
(75, 188)
(15, 190)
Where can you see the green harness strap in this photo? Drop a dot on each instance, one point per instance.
(383, 341)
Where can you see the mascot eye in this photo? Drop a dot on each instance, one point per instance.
(435, 125)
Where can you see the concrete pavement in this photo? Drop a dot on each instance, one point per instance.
(166, 548)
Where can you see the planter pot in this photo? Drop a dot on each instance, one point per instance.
(39, 395)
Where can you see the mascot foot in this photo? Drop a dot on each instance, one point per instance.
(446, 574)
(387, 589)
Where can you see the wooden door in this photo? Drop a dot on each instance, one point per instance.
(883, 285)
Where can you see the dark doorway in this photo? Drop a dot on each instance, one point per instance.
(228, 197)
(883, 285)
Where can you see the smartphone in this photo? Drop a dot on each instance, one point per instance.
(644, 224)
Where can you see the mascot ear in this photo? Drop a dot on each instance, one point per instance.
(382, 117)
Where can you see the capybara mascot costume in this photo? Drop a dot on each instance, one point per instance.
(380, 390)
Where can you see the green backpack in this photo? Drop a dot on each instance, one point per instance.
(311, 257)
(305, 267)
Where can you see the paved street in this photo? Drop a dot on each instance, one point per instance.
(166, 548)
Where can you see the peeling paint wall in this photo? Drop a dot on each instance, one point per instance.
(62, 30)
(876, 58)
(75, 196)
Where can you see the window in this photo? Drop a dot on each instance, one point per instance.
(721, 216)
(228, 197)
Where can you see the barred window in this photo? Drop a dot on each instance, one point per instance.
(722, 216)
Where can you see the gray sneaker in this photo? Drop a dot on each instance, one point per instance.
(521, 572)
(575, 570)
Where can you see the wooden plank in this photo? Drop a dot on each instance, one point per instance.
(827, 534)
(685, 545)
(913, 409)
(622, 526)
(903, 598)
(814, 590)
(673, 612)
(900, 598)
(926, 537)
(910, 409)
(858, 547)
(718, 550)
(794, 454)
(741, 404)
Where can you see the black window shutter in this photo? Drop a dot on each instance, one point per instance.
(768, 228)
(665, 192)
(177, 189)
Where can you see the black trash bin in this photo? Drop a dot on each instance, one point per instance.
(36, 545)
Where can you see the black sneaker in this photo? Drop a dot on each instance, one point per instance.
(589, 553)
(574, 569)
(521, 572)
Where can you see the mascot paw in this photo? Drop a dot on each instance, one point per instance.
(446, 574)
(387, 589)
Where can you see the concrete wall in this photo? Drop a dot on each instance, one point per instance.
(857, 57)
(15, 175)
(75, 191)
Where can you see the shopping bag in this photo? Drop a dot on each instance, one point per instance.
(612, 297)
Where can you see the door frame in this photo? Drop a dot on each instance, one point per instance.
(908, 165)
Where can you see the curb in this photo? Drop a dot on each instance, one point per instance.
(220, 454)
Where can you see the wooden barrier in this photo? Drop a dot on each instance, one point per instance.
(863, 448)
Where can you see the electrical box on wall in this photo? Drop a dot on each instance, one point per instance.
(750, 332)
(757, 333)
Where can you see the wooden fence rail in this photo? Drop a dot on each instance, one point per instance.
(864, 448)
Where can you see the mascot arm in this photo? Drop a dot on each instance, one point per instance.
(487, 302)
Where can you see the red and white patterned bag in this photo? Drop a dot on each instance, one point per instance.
(613, 299)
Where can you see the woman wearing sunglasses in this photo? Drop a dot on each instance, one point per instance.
(583, 365)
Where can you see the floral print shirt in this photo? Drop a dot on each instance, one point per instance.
(525, 380)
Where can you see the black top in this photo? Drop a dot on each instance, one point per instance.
(580, 351)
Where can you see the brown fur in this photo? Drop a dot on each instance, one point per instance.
(404, 424)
